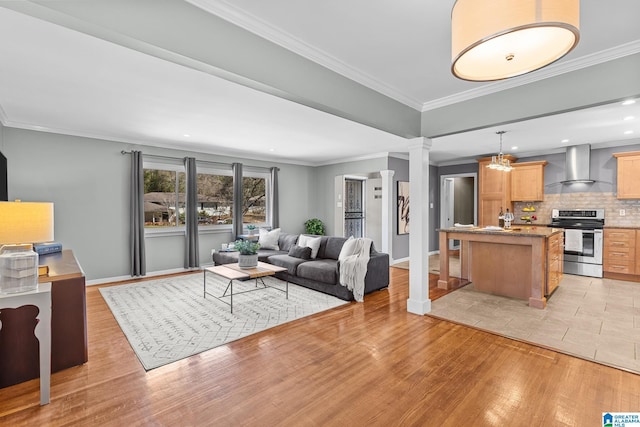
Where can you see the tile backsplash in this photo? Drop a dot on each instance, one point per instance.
(607, 201)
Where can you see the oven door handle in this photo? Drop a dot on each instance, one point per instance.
(591, 231)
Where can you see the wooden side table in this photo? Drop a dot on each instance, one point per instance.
(41, 298)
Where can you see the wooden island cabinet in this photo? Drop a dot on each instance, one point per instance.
(18, 346)
(524, 262)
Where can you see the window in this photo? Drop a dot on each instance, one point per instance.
(254, 199)
(164, 196)
(215, 197)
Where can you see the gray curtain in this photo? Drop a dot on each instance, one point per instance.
(275, 210)
(237, 200)
(138, 262)
(192, 258)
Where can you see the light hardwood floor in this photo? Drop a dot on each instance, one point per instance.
(360, 364)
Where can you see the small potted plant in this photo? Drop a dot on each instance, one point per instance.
(248, 257)
(314, 226)
(251, 227)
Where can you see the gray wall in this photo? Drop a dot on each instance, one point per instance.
(321, 197)
(87, 179)
(603, 169)
(595, 85)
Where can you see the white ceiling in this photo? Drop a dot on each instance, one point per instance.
(56, 79)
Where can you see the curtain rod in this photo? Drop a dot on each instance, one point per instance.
(123, 152)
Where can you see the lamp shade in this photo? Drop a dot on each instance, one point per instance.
(26, 222)
(498, 39)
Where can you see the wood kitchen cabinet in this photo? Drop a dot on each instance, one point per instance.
(620, 254)
(555, 262)
(628, 175)
(527, 181)
(494, 192)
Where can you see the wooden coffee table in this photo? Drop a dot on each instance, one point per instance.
(233, 272)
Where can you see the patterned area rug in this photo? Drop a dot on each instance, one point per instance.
(166, 320)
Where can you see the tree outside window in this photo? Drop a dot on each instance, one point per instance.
(164, 198)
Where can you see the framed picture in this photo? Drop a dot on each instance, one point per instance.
(403, 207)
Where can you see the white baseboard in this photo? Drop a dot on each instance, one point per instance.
(148, 275)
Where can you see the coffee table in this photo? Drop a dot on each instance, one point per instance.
(233, 272)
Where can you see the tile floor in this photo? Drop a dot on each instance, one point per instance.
(591, 318)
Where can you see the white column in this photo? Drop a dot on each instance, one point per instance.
(419, 302)
(387, 212)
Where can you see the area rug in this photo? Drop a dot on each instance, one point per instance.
(168, 319)
(590, 318)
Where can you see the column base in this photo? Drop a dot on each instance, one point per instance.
(418, 307)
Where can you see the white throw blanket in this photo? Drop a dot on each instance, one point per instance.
(353, 268)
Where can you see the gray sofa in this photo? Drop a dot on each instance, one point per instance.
(322, 273)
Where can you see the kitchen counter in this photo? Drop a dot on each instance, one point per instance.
(626, 227)
(510, 262)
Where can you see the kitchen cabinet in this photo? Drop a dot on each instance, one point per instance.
(555, 261)
(620, 257)
(494, 192)
(527, 181)
(628, 175)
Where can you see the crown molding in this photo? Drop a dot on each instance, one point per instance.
(553, 70)
(261, 28)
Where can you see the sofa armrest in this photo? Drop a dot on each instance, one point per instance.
(377, 272)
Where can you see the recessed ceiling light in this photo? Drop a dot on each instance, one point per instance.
(564, 141)
(186, 135)
(629, 102)
(515, 147)
(629, 118)
(628, 132)
(272, 149)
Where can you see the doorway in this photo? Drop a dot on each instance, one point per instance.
(354, 207)
(458, 202)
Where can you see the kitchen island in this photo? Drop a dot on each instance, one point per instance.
(523, 262)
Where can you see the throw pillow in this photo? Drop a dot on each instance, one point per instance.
(348, 249)
(269, 239)
(312, 242)
(300, 252)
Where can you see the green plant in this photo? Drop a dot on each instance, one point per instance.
(314, 226)
(247, 247)
(251, 227)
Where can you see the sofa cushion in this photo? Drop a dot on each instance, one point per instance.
(286, 240)
(333, 247)
(312, 242)
(269, 239)
(300, 252)
(264, 254)
(322, 270)
(288, 262)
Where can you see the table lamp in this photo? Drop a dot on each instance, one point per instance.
(21, 225)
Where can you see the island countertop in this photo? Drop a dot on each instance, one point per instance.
(518, 230)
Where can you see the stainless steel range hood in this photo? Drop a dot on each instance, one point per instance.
(577, 164)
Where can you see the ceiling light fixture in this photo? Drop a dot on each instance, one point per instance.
(498, 39)
(564, 141)
(629, 102)
(628, 132)
(629, 118)
(499, 162)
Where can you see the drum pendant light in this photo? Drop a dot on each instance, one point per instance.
(498, 39)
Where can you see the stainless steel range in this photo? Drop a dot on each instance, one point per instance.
(583, 238)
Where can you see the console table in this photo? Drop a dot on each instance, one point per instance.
(41, 298)
(68, 324)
